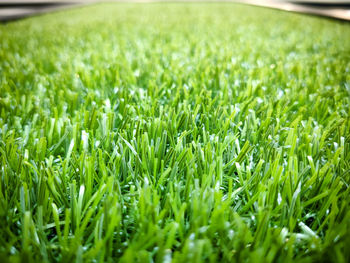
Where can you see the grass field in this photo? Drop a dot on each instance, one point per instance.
(174, 133)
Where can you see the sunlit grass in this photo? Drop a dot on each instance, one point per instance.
(183, 132)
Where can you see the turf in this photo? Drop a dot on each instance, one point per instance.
(175, 133)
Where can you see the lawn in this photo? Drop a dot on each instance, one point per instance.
(174, 133)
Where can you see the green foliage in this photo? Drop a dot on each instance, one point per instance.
(174, 132)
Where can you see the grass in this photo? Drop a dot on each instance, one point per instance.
(174, 133)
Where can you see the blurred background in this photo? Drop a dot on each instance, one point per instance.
(16, 9)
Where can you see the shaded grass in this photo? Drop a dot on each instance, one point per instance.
(183, 132)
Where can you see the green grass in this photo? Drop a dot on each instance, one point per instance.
(175, 133)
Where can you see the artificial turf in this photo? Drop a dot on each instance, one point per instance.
(174, 133)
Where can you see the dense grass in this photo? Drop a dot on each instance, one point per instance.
(159, 132)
